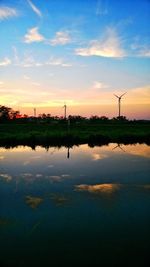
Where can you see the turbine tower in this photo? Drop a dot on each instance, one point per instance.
(65, 111)
(119, 102)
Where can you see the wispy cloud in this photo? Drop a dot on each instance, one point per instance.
(1, 83)
(140, 49)
(145, 52)
(33, 36)
(7, 12)
(58, 62)
(61, 38)
(34, 8)
(26, 77)
(6, 61)
(15, 52)
(101, 8)
(35, 83)
(108, 46)
(28, 61)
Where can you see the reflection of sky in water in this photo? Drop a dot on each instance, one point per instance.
(104, 164)
(93, 204)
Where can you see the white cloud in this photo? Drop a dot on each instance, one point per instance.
(34, 8)
(6, 61)
(108, 46)
(33, 36)
(58, 62)
(61, 38)
(99, 85)
(7, 12)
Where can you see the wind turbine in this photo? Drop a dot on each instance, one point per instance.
(65, 111)
(119, 145)
(119, 102)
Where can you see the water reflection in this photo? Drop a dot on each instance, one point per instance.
(60, 199)
(119, 146)
(33, 202)
(98, 188)
(83, 208)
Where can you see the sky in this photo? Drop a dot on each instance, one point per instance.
(79, 53)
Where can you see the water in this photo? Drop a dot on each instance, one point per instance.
(75, 207)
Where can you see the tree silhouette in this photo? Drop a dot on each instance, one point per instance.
(7, 113)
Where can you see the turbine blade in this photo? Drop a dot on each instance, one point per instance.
(116, 96)
(123, 94)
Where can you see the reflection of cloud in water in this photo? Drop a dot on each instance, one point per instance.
(26, 163)
(98, 188)
(1, 157)
(145, 187)
(26, 174)
(97, 156)
(138, 150)
(59, 199)
(6, 177)
(50, 166)
(65, 175)
(38, 175)
(36, 157)
(57, 178)
(54, 178)
(31, 159)
(33, 202)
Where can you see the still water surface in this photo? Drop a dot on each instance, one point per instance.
(79, 206)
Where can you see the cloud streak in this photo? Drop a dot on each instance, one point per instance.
(7, 12)
(58, 62)
(35, 9)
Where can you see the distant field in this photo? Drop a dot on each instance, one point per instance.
(58, 133)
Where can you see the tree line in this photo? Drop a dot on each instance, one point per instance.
(7, 114)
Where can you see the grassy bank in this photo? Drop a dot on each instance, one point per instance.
(57, 133)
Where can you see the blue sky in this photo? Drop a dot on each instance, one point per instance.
(78, 52)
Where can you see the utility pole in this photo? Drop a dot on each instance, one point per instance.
(35, 112)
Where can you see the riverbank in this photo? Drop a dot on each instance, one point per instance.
(57, 134)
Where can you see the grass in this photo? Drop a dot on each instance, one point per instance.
(93, 133)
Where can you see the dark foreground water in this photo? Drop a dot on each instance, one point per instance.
(92, 208)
